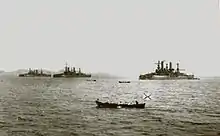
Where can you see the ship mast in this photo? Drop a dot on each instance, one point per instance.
(218, 4)
(158, 65)
(66, 67)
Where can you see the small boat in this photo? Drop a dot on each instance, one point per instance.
(91, 80)
(124, 81)
(115, 105)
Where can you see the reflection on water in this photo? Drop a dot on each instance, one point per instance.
(55, 107)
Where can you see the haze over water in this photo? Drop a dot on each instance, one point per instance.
(122, 38)
(55, 107)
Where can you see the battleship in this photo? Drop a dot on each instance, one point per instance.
(34, 73)
(167, 73)
(70, 72)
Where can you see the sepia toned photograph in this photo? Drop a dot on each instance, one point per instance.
(109, 68)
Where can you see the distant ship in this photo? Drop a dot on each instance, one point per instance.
(34, 73)
(124, 81)
(165, 73)
(71, 73)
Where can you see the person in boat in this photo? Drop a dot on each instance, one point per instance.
(97, 100)
(136, 102)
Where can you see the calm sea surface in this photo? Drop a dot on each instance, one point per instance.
(66, 107)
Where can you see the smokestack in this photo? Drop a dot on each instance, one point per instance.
(162, 64)
(166, 65)
(177, 67)
(158, 65)
(170, 66)
(65, 69)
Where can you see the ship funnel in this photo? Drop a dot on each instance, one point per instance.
(166, 65)
(158, 65)
(162, 66)
(177, 67)
(66, 67)
(170, 67)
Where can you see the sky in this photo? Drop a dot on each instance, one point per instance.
(122, 38)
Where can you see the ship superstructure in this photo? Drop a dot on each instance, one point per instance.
(34, 73)
(163, 72)
(71, 72)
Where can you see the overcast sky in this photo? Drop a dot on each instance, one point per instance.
(121, 37)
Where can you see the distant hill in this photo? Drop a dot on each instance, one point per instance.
(94, 75)
(1, 71)
(14, 72)
(21, 71)
(104, 75)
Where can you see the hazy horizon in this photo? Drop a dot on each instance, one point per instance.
(123, 38)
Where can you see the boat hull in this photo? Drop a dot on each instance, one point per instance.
(124, 81)
(115, 105)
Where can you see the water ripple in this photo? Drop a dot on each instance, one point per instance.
(45, 106)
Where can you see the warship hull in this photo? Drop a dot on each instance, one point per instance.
(34, 73)
(26, 75)
(69, 76)
(168, 78)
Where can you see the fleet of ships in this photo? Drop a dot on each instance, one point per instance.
(68, 73)
(161, 73)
